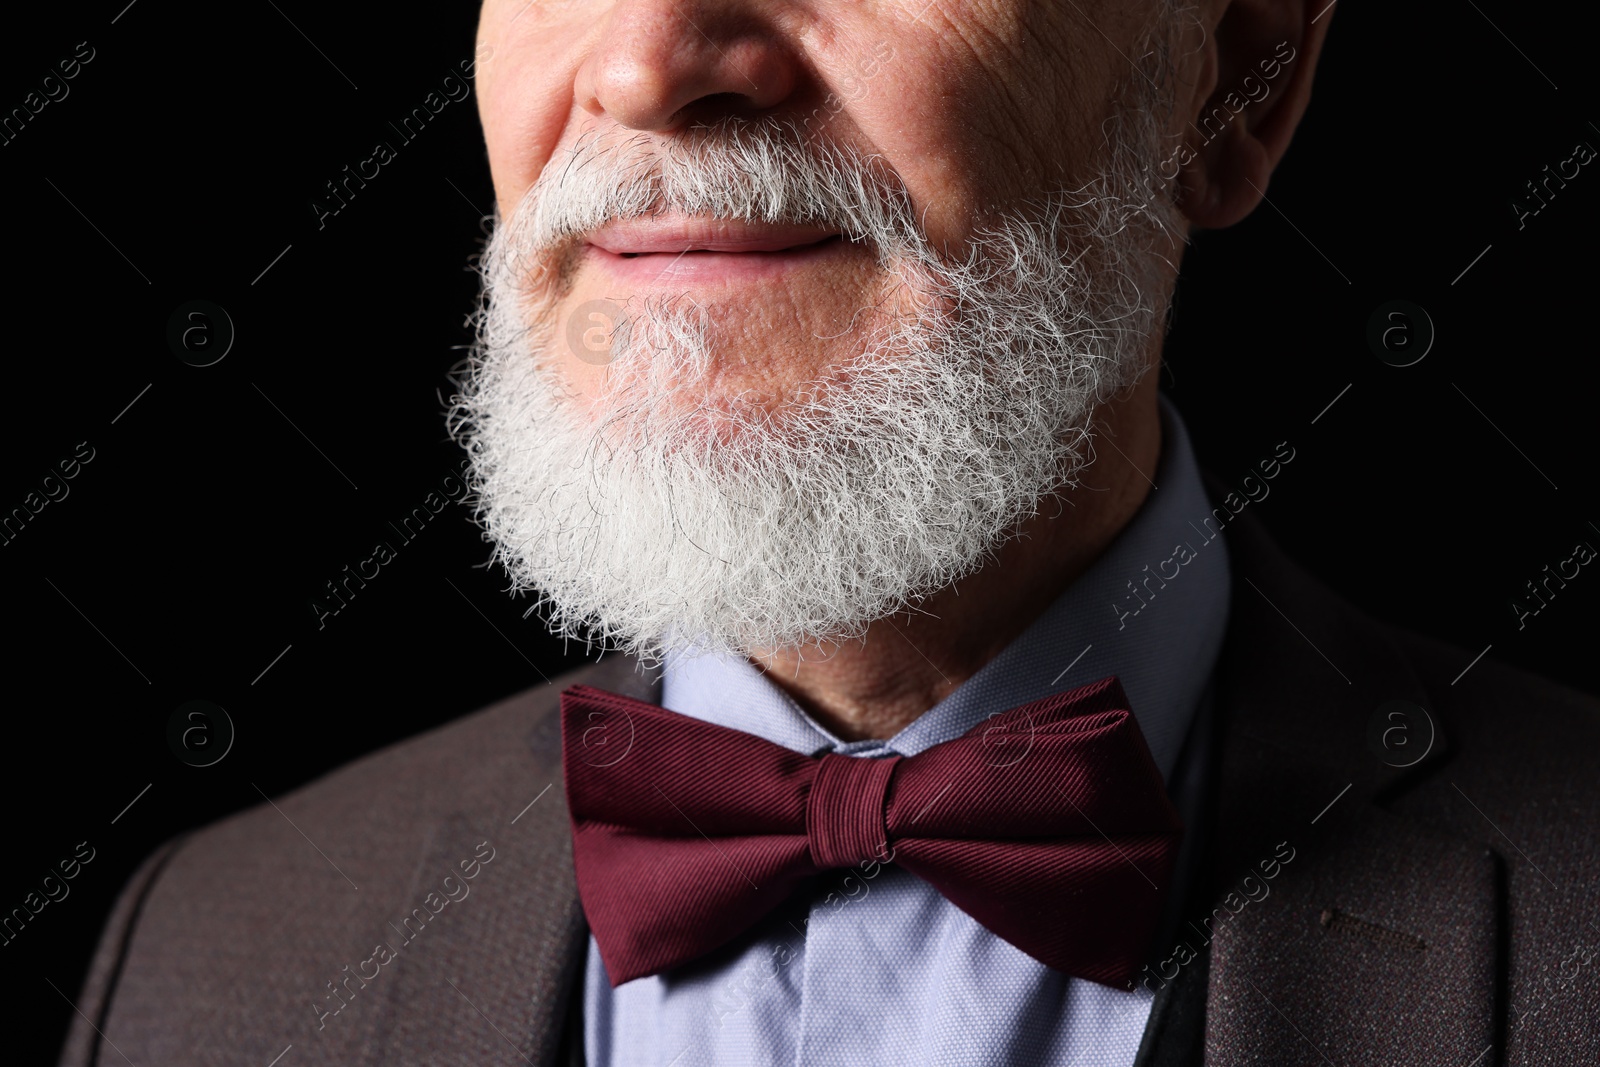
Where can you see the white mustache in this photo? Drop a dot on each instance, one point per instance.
(738, 169)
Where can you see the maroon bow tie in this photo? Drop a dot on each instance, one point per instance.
(1049, 824)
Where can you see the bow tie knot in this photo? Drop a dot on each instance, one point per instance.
(845, 810)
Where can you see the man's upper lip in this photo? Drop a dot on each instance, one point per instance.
(687, 233)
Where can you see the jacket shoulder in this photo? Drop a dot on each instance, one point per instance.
(249, 934)
(1522, 717)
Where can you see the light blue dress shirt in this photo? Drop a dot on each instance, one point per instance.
(874, 966)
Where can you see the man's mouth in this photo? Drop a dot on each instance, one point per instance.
(684, 248)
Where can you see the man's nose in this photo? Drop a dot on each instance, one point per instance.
(660, 62)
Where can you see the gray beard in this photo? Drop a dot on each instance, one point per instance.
(678, 516)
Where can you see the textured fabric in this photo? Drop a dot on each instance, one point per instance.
(936, 986)
(221, 947)
(1060, 842)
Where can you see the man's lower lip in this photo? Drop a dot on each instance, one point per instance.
(678, 268)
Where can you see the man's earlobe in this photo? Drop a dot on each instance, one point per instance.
(1225, 179)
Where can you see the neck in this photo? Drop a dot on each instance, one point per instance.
(908, 662)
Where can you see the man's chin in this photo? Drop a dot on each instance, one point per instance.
(730, 403)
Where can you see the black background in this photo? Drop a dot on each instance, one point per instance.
(182, 166)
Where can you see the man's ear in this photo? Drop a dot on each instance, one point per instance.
(1257, 65)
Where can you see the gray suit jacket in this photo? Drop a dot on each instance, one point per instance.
(1443, 914)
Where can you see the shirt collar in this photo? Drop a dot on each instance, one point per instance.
(1151, 610)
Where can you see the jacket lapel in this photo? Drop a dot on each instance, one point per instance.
(495, 977)
(1376, 941)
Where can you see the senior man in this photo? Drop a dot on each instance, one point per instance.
(950, 715)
